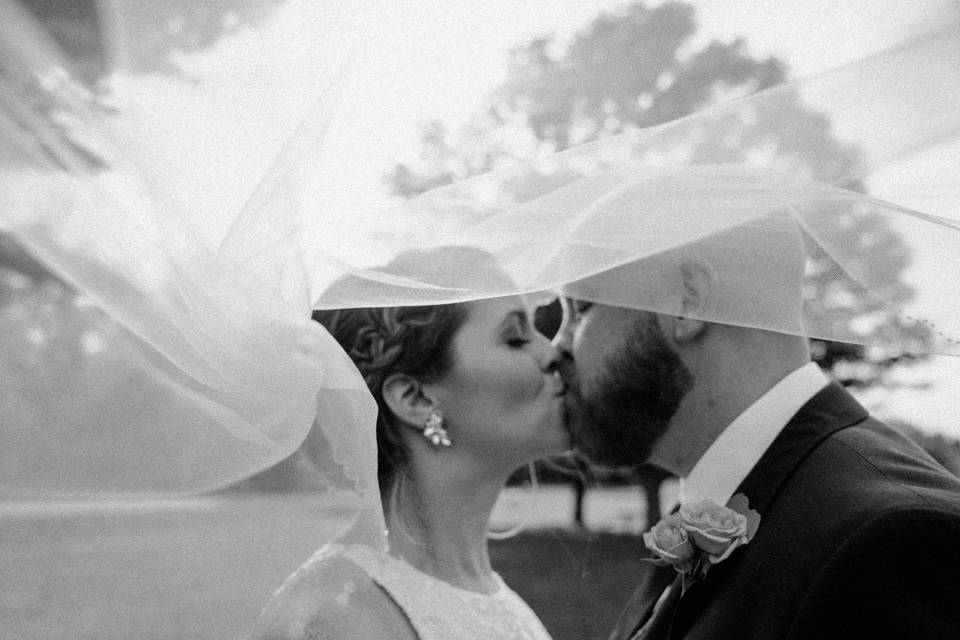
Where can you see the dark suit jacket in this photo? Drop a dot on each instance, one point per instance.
(859, 538)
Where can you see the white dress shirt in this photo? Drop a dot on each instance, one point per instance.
(732, 456)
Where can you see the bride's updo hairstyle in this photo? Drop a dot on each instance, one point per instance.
(383, 341)
(412, 340)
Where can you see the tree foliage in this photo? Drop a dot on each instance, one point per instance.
(638, 67)
(625, 70)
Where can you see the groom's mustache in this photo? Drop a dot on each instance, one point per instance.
(567, 369)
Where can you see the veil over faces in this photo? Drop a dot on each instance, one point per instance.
(162, 252)
(802, 237)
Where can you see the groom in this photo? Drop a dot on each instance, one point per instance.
(859, 529)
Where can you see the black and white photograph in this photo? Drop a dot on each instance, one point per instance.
(512, 320)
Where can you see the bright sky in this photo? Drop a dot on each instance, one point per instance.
(439, 60)
(431, 60)
(422, 60)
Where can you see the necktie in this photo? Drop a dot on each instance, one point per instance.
(657, 627)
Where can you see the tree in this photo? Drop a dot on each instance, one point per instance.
(635, 68)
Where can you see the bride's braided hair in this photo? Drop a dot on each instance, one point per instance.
(387, 340)
(414, 340)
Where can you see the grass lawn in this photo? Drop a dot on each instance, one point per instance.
(203, 568)
(577, 582)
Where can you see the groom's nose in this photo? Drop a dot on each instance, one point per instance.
(562, 343)
(563, 340)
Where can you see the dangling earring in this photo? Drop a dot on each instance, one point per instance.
(434, 432)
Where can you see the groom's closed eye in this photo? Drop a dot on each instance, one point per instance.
(579, 307)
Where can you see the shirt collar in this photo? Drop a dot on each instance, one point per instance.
(739, 447)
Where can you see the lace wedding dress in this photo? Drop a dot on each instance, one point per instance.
(435, 609)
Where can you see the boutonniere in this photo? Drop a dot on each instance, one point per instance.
(700, 535)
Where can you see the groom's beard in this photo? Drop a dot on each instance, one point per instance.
(630, 405)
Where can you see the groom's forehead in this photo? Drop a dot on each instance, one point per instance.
(573, 304)
(635, 287)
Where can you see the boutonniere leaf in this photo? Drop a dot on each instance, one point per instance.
(741, 504)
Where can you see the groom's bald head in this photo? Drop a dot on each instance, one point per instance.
(642, 335)
(748, 276)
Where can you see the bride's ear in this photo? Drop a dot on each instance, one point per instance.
(698, 299)
(407, 398)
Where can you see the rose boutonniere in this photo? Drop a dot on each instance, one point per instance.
(700, 535)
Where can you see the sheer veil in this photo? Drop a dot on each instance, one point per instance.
(167, 241)
(138, 363)
(824, 232)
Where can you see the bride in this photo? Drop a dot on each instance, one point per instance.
(466, 393)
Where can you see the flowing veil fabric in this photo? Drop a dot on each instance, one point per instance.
(138, 364)
(169, 243)
(774, 215)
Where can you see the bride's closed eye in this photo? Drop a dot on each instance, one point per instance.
(517, 330)
(517, 343)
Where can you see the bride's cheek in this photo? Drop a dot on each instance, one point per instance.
(521, 382)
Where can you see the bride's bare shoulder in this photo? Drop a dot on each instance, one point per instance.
(331, 597)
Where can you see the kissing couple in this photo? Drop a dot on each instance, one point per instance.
(690, 289)
(799, 516)
(693, 260)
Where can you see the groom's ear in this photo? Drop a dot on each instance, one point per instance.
(407, 399)
(698, 300)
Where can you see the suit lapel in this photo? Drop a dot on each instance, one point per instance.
(826, 413)
(829, 411)
(641, 603)
(658, 625)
